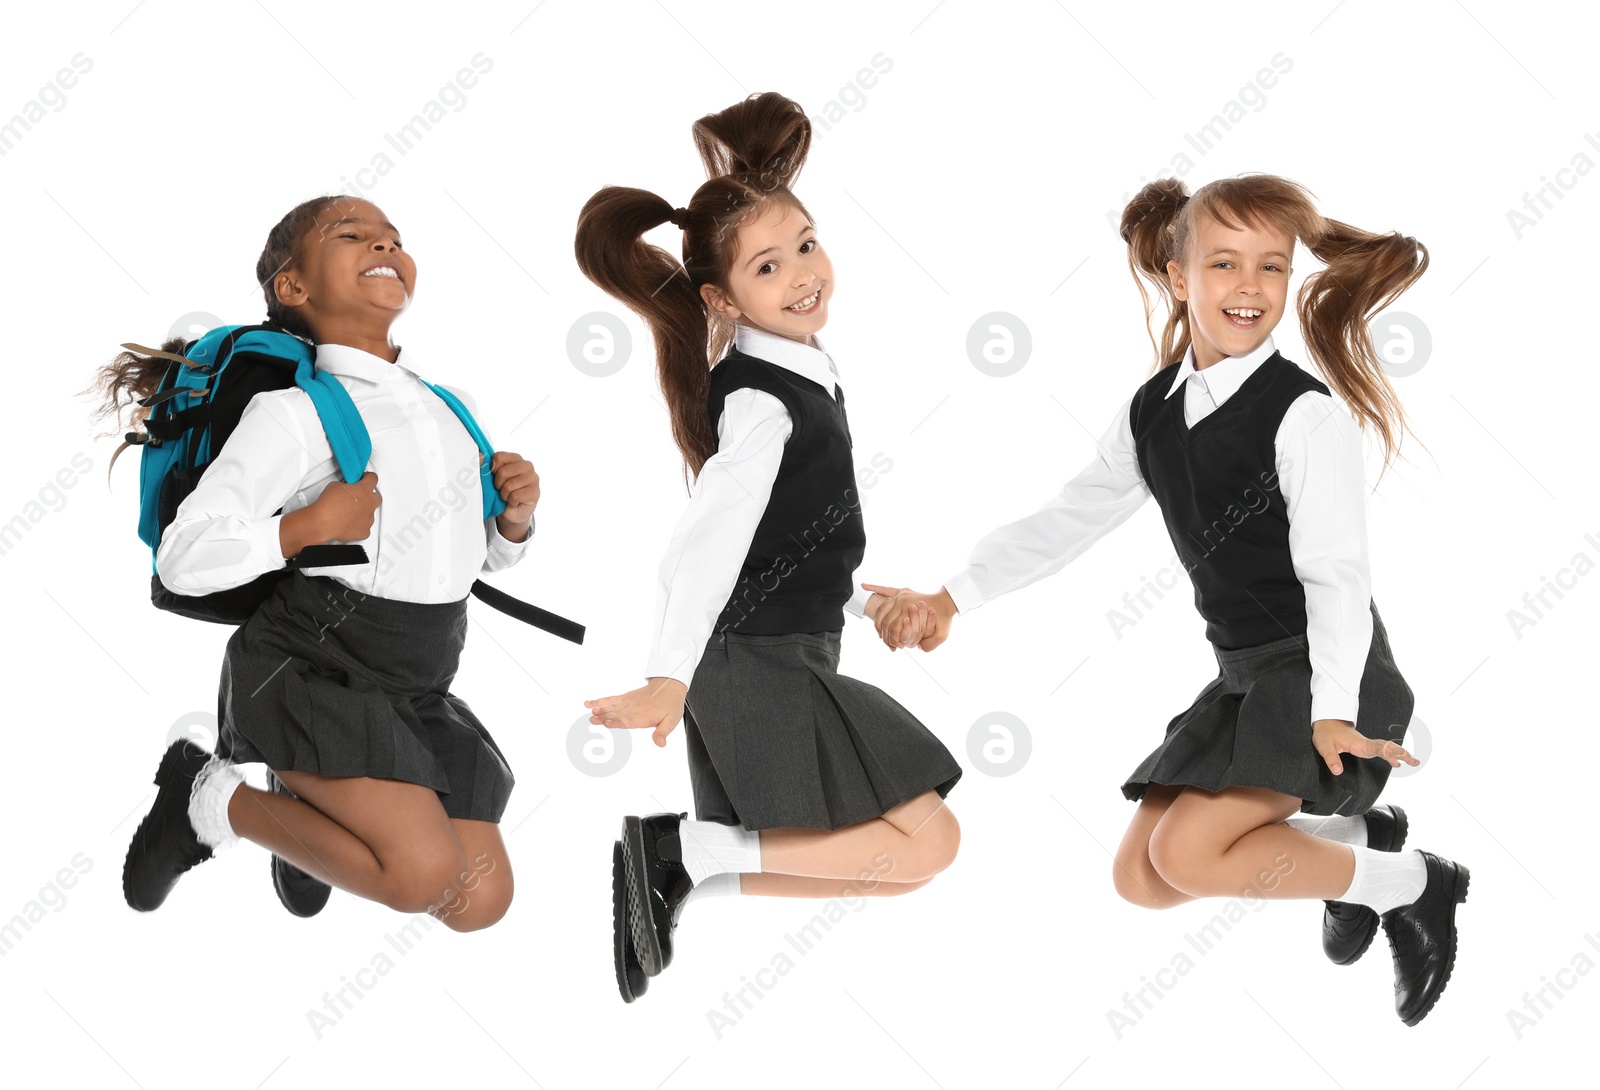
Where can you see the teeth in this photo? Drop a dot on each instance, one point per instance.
(807, 303)
(382, 270)
(1242, 312)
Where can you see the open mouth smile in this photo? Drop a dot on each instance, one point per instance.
(806, 305)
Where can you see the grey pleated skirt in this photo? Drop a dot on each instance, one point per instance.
(1251, 727)
(327, 680)
(779, 739)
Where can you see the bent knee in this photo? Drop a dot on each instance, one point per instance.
(1180, 863)
(476, 911)
(423, 880)
(1137, 882)
(937, 843)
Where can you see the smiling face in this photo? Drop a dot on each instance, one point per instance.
(1235, 281)
(350, 279)
(781, 280)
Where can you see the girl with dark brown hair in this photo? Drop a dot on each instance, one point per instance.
(807, 783)
(1258, 471)
(385, 784)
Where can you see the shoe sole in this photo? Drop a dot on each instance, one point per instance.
(282, 878)
(1402, 825)
(646, 943)
(171, 765)
(1458, 896)
(619, 922)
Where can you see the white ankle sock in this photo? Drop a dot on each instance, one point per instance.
(710, 847)
(725, 884)
(1344, 829)
(208, 802)
(1385, 880)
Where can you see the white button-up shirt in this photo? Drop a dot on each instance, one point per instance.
(712, 539)
(429, 540)
(1321, 473)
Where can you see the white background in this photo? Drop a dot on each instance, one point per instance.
(975, 175)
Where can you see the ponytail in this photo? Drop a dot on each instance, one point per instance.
(1363, 273)
(752, 153)
(133, 376)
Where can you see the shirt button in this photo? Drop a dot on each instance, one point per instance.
(441, 579)
(433, 454)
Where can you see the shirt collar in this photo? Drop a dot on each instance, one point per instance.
(806, 360)
(342, 359)
(1223, 378)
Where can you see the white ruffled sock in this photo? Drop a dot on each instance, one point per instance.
(711, 848)
(214, 786)
(1385, 880)
(1346, 829)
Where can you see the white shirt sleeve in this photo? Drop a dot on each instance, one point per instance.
(1101, 497)
(1322, 474)
(858, 601)
(713, 537)
(224, 533)
(501, 553)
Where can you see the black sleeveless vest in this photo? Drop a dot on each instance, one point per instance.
(798, 573)
(1217, 486)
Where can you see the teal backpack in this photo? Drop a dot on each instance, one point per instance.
(194, 411)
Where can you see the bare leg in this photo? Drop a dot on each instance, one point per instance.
(913, 841)
(1233, 842)
(384, 840)
(1132, 872)
(486, 888)
(793, 885)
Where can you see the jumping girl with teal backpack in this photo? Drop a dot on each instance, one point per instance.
(351, 604)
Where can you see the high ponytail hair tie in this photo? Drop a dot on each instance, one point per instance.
(677, 216)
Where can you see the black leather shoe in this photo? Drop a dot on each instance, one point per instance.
(1347, 929)
(631, 979)
(657, 885)
(1422, 936)
(300, 893)
(165, 845)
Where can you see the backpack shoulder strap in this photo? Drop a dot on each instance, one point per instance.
(492, 503)
(347, 433)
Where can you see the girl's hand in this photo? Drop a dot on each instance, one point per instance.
(658, 705)
(518, 485)
(910, 618)
(916, 622)
(345, 512)
(1332, 737)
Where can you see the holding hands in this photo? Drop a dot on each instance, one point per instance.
(906, 618)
